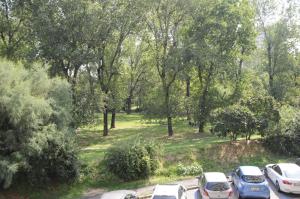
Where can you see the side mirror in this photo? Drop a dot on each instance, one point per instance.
(229, 178)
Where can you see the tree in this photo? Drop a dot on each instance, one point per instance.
(165, 20)
(119, 19)
(61, 30)
(278, 43)
(219, 35)
(136, 68)
(14, 30)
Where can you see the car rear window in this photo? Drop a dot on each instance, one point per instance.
(293, 174)
(254, 179)
(164, 197)
(217, 186)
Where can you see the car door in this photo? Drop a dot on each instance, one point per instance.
(271, 173)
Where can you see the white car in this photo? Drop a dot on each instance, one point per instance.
(285, 176)
(214, 185)
(120, 194)
(172, 191)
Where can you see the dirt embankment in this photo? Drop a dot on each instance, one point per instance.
(233, 152)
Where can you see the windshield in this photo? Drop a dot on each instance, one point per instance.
(217, 186)
(254, 179)
(293, 174)
(164, 197)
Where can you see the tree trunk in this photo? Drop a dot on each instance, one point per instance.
(113, 119)
(188, 87)
(129, 101)
(170, 128)
(105, 121)
(168, 111)
(188, 114)
(270, 69)
(203, 110)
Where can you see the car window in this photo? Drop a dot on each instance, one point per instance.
(292, 174)
(253, 179)
(164, 197)
(239, 173)
(217, 186)
(130, 196)
(278, 170)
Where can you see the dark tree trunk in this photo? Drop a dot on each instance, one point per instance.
(270, 69)
(203, 109)
(168, 111)
(271, 80)
(129, 101)
(105, 121)
(188, 87)
(188, 114)
(170, 128)
(113, 119)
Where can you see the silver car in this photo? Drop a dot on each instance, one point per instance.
(214, 185)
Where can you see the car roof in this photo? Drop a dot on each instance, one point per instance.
(287, 166)
(250, 170)
(120, 194)
(167, 190)
(215, 177)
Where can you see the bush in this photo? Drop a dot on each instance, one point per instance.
(132, 161)
(191, 170)
(234, 120)
(34, 126)
(51, 155)
(287, 141)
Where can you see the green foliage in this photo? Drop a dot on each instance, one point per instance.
(34, 124)
(287, 141)
(265, 110)
(195, 169)
(51, 155)
(132, 161)
(233, 121)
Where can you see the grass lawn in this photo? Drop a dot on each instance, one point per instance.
(186, 146)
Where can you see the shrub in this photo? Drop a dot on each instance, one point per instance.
(287, 141)
(193, 169)
(132, 161)
(51, 155)
(234, 120)
(34, 126)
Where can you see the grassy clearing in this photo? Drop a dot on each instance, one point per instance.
(187, 146)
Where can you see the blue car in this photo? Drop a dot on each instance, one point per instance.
(250, 182)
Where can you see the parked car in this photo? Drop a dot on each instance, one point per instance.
(214, 185)
(172, 191)
(120, 194)
(250, 182)
(285, 176)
